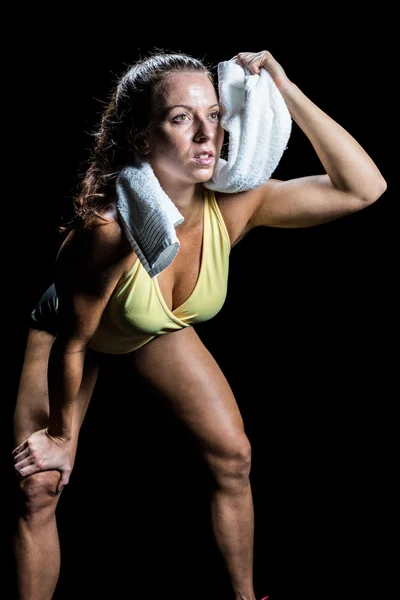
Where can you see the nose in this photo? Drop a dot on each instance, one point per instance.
(205, 131)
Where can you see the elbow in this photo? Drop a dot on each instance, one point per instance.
(370, 193)
(364, 198)
(67, 345)
(377, 189)
(383, 184)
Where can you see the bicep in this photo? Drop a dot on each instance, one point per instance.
(302, 202)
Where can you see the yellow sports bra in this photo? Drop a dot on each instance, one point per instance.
(136, 312)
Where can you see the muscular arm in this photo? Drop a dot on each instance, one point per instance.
(352, 180)
(88, 267)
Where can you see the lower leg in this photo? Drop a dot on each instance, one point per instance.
(232, 516)
(37, 556)
(36, 543)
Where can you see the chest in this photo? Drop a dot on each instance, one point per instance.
(178, 281)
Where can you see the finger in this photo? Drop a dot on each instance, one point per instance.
(253, 65)
(29, 470)
(262, 59)
(23, 464)
(64, 480)
(266, 58)
(21, 456)
(19, 448)
(251, 61)
(241, 56)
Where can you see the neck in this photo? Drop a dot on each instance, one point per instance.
(187, 196)
(188, 199)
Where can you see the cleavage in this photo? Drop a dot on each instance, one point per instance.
(179, 280)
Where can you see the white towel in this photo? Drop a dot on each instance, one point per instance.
(148, 216)
(259, 125)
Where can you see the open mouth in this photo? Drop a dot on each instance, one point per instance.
(205, 158)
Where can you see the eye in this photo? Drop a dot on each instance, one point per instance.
(181, 118)
(215, 115)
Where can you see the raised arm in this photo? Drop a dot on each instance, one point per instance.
(352, 180)
(88, 267)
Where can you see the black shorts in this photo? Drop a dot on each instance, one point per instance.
(44, 315)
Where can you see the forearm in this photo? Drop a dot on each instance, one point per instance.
(64, 380)
(344, 160)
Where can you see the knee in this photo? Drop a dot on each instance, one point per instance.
(230, 464)
(37, 493)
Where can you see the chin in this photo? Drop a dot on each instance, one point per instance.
(204, 178)
(204, 175)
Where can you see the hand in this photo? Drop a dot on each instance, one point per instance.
(43, 452)
(255, 61)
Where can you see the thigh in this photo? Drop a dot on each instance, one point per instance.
(32, 404)
(185, 373)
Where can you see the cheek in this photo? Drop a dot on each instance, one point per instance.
(175, 147)
(171, 141)
(163, 145)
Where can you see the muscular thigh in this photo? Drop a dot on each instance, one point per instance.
(182, 369)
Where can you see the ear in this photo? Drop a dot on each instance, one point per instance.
(142, 146)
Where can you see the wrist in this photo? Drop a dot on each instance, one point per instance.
(61, 437)
(57, 431)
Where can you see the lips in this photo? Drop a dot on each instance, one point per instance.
(205, 154)
(204, 160)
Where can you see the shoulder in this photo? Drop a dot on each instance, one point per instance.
(104, 231)
(237, 209)
(101, 243)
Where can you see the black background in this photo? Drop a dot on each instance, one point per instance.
(307, 336)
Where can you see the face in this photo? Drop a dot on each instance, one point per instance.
(187, 139)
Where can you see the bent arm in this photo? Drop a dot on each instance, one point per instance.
(352, 180)
(350, 169)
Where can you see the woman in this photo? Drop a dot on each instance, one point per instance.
(165, 109)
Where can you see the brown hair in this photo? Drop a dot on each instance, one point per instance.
(126, 118)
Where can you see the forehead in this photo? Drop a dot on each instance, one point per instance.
(187, 88)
